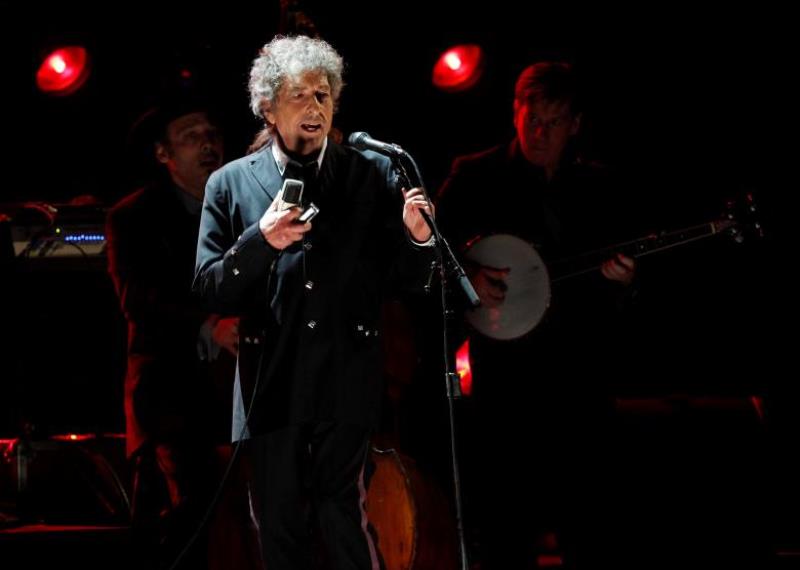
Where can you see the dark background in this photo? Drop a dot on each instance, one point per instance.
(674, 94)
(689, 106)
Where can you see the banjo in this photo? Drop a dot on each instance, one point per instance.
(529, 283)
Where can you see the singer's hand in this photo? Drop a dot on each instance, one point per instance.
(415, 202)
(279, 227)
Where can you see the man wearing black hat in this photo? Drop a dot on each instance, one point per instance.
(174, 415)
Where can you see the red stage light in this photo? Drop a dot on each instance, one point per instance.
(63, 71)
(464, 368)
(458, 68)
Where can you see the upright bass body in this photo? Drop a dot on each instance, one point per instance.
(410, 515)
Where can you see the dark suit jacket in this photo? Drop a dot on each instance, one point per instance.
(579, 210)
(151, 245)
(309, 315)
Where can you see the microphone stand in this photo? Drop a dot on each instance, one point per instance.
(409, 173)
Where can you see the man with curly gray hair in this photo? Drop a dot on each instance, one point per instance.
(287, 58)
(308, 381)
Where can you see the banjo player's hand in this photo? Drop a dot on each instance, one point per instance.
(490, 284)
(620, 268)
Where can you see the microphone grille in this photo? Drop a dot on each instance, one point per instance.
(357, 138)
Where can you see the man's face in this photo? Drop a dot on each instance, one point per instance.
(303, 112)
(544, 128)
(191, 152)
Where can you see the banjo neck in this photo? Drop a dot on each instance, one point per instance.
(654, 243)
(529, 284)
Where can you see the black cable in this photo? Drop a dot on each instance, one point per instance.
(239, 440)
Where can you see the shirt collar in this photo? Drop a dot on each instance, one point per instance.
(281, 158)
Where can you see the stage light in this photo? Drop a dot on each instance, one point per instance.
(464, 368)
(458, 68)
(63, 71)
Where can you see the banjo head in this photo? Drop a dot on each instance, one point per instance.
(528, 293)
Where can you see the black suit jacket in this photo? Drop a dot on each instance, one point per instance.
(169, 392)
(579, 210)
(309, 314)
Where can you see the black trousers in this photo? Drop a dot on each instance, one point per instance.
(162, 525)
(307, 489)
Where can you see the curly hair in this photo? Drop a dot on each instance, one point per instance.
(290, 57)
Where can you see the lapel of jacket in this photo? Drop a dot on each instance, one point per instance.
(265, 172)
(330, 163)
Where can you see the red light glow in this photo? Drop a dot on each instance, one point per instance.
(464, 368)
(73, 437)
(57, 64)
(458, 68)
(63, 71)
(452, 60)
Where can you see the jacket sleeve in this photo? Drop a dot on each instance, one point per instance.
(411, 261)
(228, 266)
(144, 296)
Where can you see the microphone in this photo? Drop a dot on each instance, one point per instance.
(362, 141)
(291, 194)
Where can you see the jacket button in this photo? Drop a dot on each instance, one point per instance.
(236, 271)
(309, 285)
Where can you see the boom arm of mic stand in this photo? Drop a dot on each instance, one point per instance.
(449, 261)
